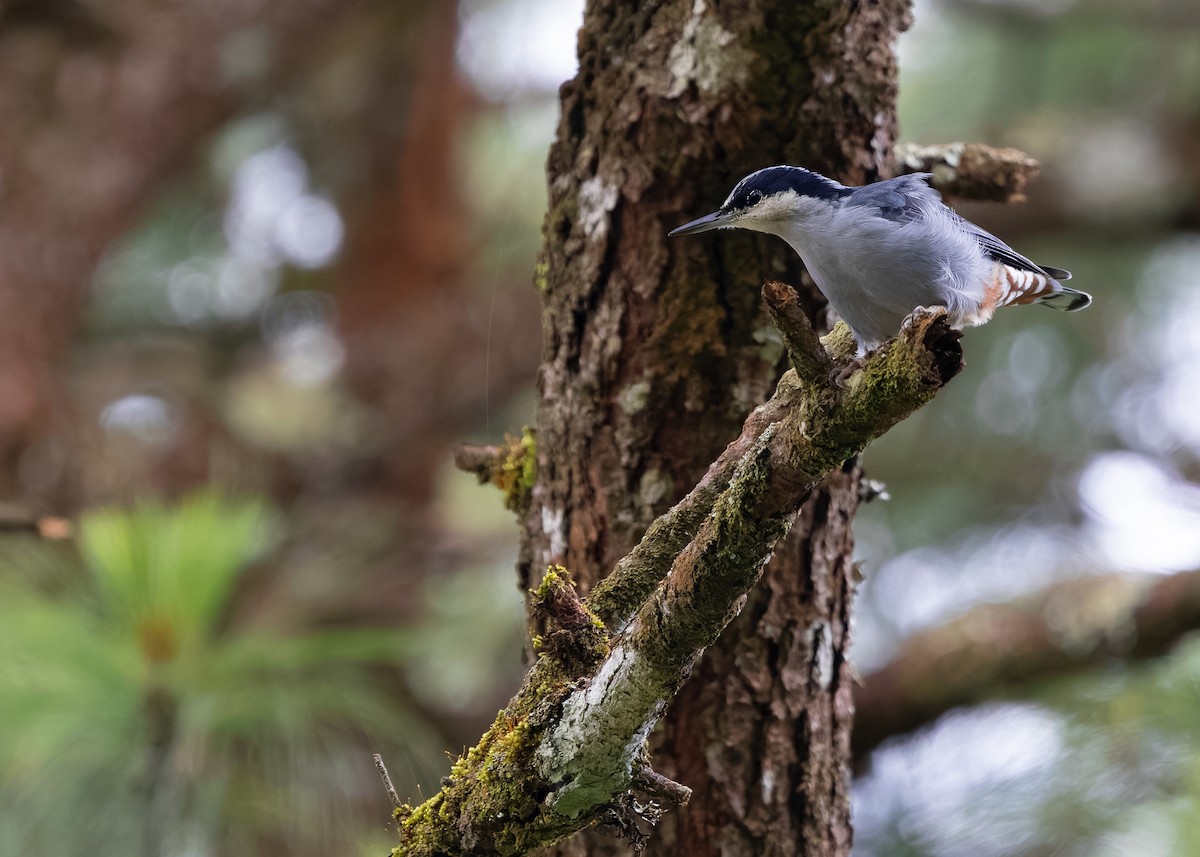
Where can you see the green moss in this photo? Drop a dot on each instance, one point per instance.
(554, 577)
(742, 523)
(616, 598)
(577, 640)
(492, 796)
(895, 381)
(551, 681)
(541, 276)
(517, 473)
(619, 595)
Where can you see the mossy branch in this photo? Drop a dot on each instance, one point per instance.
(572, 741)
(511, 467)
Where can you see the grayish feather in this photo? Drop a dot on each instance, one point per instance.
(899, 199)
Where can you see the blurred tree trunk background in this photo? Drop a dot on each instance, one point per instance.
(103, 105)
(108, 108)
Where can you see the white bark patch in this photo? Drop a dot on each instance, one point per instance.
(553, 521)
(575, 728)
(822, 643)
(706, 54)
(596, 199)
(770, 344)
(602, 730)
(655, 484)
(634, 397)
(768, 786)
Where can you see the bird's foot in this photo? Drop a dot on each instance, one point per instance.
(918, 312)
(846, 370)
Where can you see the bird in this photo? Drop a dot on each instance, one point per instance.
(879, 251)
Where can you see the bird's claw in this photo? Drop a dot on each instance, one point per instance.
(845, 370)
(919, 312)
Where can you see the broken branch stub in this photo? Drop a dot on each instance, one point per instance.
(972, 171)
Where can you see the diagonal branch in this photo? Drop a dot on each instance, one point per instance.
(996, 648)
(572, 740)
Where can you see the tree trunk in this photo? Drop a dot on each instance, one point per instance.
(655, 350)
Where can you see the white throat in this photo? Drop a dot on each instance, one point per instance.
(790, 216)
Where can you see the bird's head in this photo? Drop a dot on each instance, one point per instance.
(769, 199)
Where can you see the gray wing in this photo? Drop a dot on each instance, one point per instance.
(901, 200)
(997, 250)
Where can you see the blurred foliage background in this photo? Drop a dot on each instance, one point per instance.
(261, 268)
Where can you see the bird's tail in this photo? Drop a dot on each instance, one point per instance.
(1068, 300)
(1018, 286)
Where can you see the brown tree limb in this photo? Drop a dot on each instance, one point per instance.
(808, 357)
(970, 170)
(656, 785)
(480, 459)
(996, 648)
(569, 743)
(616, 598)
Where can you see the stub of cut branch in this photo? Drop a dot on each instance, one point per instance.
(511, 467)
(971, 170)
(481, 459)
(658, 786)
(571, 743)
(805, 351)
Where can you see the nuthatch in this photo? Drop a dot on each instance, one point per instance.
(879, 251)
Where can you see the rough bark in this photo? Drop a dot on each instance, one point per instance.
(655, 350)
(996, 649)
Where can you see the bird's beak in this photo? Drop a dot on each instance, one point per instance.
(703, 224)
